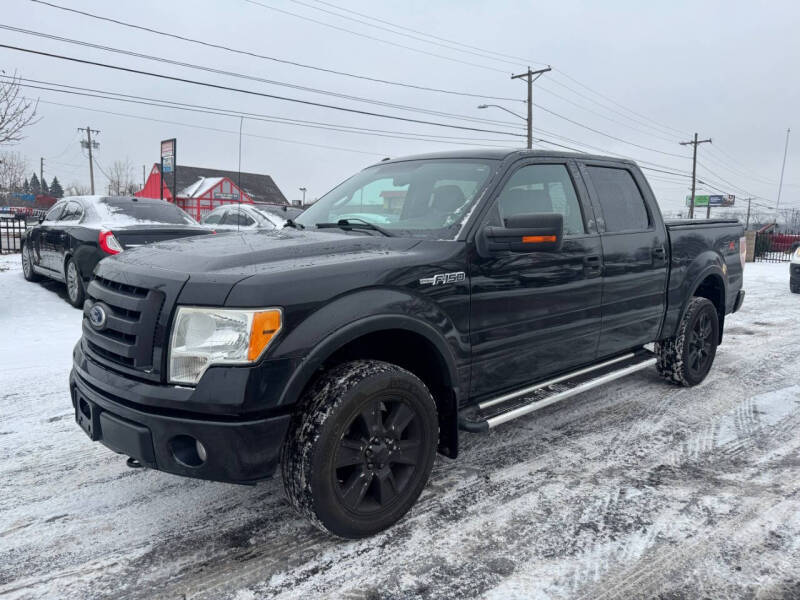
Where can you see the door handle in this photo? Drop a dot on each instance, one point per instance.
(660, 253)
(593, 265)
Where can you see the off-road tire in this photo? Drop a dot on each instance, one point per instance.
(675, 354)
(327, 417)
(76, 293)
(27, 272)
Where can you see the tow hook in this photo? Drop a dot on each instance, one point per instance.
(133, 463)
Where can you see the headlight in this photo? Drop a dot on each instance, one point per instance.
(202, 337)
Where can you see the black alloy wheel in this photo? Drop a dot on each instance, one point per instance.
(360, 447)
(378, 455)
(700, 344)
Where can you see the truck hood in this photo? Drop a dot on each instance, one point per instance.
(246, 253)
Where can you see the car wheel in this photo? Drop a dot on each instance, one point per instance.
(795, 288)
(360, 448)
(27, 264)
(75, 291)
(687, 358)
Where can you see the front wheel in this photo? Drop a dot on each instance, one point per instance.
(686, 358)
(360, 448)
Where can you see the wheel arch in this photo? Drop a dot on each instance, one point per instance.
(401, 339)
(710, 284)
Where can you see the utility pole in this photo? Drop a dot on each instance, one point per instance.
(528, 76)
(694, 143)
(783, 168)
(144, 180)
(88, 143)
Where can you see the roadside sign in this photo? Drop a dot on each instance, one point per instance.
(169, 163)
(168, 148)
(726, 200)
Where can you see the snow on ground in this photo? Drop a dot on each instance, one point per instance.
(638, 489)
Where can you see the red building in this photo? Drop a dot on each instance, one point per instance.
(201, 190)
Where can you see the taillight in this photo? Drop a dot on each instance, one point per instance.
(108, 242)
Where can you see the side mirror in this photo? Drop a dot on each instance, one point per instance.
(540, 232)
(41, 220)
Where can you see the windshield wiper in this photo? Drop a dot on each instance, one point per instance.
(354, 223)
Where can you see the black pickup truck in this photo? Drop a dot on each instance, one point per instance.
(422, 296)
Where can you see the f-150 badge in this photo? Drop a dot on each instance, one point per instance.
(442, 278)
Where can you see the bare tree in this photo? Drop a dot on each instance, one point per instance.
(13, 167)
(77, 189)
(121, 178)
(16, 111)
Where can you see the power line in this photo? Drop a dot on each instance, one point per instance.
(375, 39)
(173, 36)
(145, 101)
(207, 69)
(491, 55)
(251, 92)
(483, 50)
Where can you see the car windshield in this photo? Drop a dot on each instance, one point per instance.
(418, 198)
(130, 211)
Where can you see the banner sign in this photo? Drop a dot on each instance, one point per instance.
(719, 200)
(168, 162)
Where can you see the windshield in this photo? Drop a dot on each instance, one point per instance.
(127, 211)
(419, 198)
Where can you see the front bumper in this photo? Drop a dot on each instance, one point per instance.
(237, 450)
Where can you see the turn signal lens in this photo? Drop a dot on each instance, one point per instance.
(265, 325)
(538, 239)
(108, 242)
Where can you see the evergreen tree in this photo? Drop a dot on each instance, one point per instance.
(55, 188)
(26, 187)
(45, 188)
(36, 187)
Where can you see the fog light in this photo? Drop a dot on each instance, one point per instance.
(201, 451)
(187, 450)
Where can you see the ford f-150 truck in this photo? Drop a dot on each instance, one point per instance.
(422, 297)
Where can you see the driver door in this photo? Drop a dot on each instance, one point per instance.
(536, 313)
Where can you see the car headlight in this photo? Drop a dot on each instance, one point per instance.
(202, 337)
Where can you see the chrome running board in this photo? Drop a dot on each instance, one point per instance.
(499, 410)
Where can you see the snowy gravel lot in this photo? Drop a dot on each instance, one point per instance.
(636, 490)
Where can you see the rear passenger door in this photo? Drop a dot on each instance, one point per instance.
(42, 236)
(537, 313)
(635, 254)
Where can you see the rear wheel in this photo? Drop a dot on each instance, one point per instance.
(360, 448)
(794, 287)
(75, 291)
(686, 358)
(27, 264)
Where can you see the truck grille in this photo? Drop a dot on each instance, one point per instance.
(129, 337)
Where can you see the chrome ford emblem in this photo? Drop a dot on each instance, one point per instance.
(97, 316)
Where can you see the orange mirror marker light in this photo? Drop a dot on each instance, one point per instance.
(538, 239)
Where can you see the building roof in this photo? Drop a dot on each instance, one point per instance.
(199, 187)
(261, 188)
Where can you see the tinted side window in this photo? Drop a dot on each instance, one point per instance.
(53, 213)
(212, 219)
(540, 189)
(620, 199)
(72, 212)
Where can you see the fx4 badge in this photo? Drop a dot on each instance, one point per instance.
(442, 278)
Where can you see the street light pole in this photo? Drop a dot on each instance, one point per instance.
(302, 189)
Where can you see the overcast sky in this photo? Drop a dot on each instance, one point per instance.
(728, 70)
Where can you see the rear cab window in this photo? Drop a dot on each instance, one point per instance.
(621, 201)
